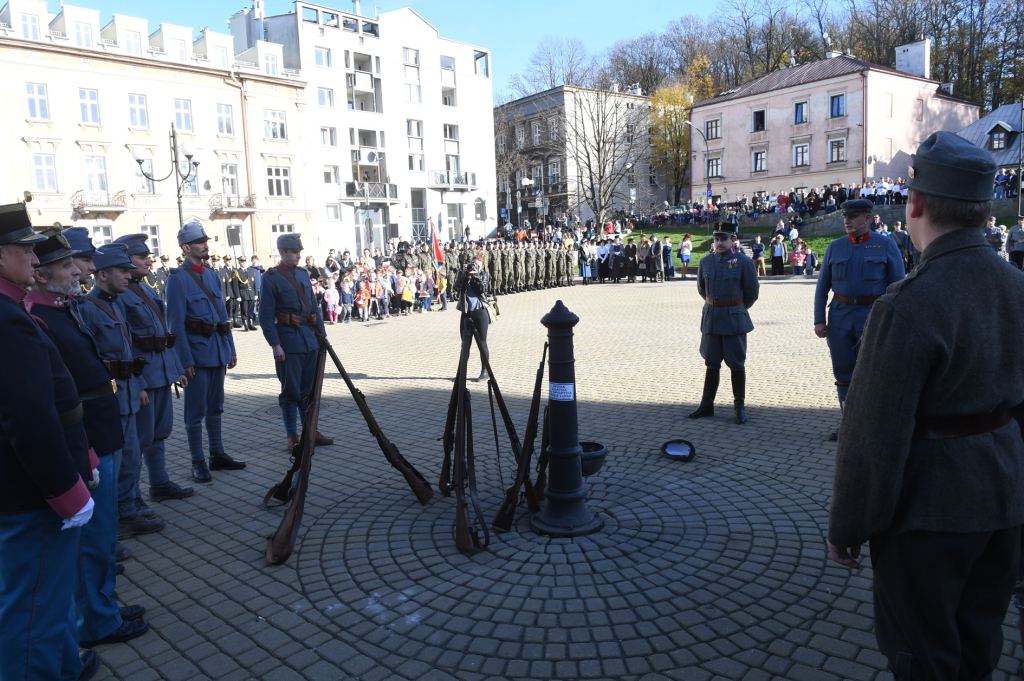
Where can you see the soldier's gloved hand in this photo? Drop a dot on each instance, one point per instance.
(95, 482)
(81, 518)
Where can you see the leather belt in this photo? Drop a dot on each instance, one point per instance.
(70, 418)
(946, 427)
(204, 328)
(154, 343)
(717, 302)
(294, 320)
(854, 301)
(123, 369)
(104, 390)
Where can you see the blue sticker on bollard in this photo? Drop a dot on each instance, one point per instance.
(562, 392)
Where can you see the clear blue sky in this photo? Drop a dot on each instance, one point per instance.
(510, 30)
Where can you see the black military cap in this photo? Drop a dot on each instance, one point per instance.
(56, 246)
(857, 206)
(948, 166)
(16, 226)
(725, 230)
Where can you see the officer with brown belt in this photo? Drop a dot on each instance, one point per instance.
(727, 281)
(930, 466)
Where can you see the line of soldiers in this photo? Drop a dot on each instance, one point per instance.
(515, 266)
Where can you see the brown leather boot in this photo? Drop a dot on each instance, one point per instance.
(322, 441)
(292, 441)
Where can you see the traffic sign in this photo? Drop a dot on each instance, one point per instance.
(538, 193)
(519, 209)
(709, 188)
(632, 192)
(709, 193)
(504, 213)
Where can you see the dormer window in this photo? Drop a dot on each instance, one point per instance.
(998, 140)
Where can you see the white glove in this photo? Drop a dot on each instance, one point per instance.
(80, 518)
(95, 482)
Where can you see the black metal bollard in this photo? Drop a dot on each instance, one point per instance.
(566, 513)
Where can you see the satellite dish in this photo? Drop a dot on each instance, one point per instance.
(371, 157)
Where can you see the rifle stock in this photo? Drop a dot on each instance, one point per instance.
(448, 440)
(506, 513)
(542, 460)
(467, 532)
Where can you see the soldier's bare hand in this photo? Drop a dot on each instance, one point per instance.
(183, 381)
(820, 330)
(190, 373)
(279, 355)
(233, 363)
(143, 398)
(845, 557)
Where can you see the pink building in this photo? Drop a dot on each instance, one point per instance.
(835, 121)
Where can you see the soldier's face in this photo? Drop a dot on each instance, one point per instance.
(723, 245)
(86, 268)
(290, 257)
(199, 250)
(63, 279)
(17, 262)
(856, 224)
(142, 265)
(114, 279)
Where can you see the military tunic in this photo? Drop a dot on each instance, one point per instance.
(726, 278)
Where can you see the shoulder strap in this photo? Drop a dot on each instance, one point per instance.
(149, 301)
(209, 295)
(110, 313)
(298, 289)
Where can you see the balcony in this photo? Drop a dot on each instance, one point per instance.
(86, 202)
(441, 179)
(370, 192)
(362, 82)
(230, 205)
(447, 78)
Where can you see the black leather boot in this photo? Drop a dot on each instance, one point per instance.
(712, 376)
(739, 393)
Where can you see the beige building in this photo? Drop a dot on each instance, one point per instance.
(84, 98)
(835, 121)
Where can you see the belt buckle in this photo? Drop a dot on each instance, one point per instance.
(113, 386)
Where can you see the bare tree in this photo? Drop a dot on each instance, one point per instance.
(643, 61)
(554, 62)
(510, 157)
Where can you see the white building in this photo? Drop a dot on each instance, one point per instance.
(400, 126)
(83, 96)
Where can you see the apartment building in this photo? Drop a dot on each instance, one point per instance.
(87, 97)
(400, 130)
(833, 121)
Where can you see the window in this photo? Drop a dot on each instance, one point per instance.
(631, 175)
(83, 35)
(412, 74)
(311, 15)
(799, 113)
(331, 175)
(447, 63)
(279, 181)
(323, 57)
(325, 97)
(630, 129)
(220, 56)
(713, 129)
(143, 185)
(102, 235)
(333, 211)
(417, 163)
(30, 27)
(352, 136)
(501, 144)
(153, 232)
(535, 133)
(714, 168)
(89, 103)
(133, 42)
(270, 64)
(998, 141)
(758, 122)
(760, 161)
(503, 185)
(273, 125)
(652, 180)
(137, 111)
(919, 110)
(800, 154)
(520, 136)
(329, 137)
(38, 105)
(553, 129)
(451, 132)
(414, 128)
(44, 167)
(281, 229)
(225, 123)
(480, 64)
(519, 179)
(413, 93)
(330, 19)
(346, 59)
(191, 182)
(837, 105)
(836, 151)
(229, 179)
(183, 114)
(178, 49)
(410, 56)
(555, 171)
(96, 174)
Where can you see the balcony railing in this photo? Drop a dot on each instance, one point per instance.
(373, 191)
(442, 179)
(220, 203)
(84, 202)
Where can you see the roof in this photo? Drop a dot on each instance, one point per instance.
(977, 133)
(822, 69)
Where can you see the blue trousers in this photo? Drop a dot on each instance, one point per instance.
(204, 399)
(38, 633)
(842, 345)
(97, 611)
(296, 376)
(715, 349)
(131, 467)
(153, 425)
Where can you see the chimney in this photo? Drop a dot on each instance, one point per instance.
(832, 54)
(947, 88)
(915, 58)
(355, 8)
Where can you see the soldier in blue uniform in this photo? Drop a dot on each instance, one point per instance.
(152, 342)
(246, 283)
(100, 619)
(105, 320)
(857, 269)
(197, 317)
(256, 271)
(288, 308)
(44, 466)
(727, 281)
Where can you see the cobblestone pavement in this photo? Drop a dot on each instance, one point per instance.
(711, 569)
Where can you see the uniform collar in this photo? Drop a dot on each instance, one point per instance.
(198, 269)
(860, 239)
(958, 239)
(12, 290)
(104, 296)
(46, 299)
(286, 267)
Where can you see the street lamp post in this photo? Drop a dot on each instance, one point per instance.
(707, 153)
(186, 150)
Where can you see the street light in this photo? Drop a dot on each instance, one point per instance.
(187, 149)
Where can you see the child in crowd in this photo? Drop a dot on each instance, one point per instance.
(810, 261)
(442, 289)
(363, 298)
(331, 297)
(796, 259)
(347, 299)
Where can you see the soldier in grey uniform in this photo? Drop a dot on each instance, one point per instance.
(529, 265)
(506, 267)
(930, 463)
(727, 281)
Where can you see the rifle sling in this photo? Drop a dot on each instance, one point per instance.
(149, 301)
(213, 301)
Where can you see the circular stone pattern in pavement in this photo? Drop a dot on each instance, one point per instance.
(690, 555)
